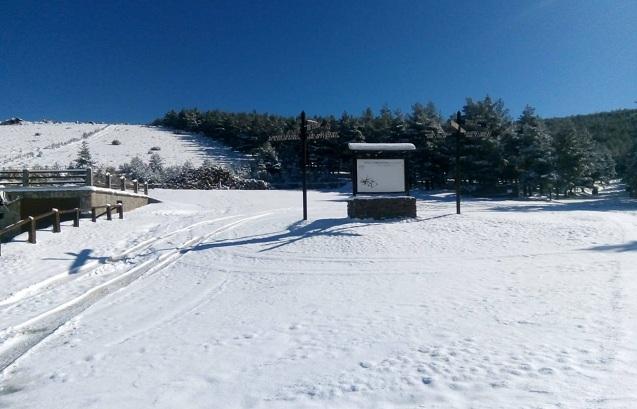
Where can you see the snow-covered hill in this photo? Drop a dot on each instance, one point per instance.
(224, 299)
(44, 144)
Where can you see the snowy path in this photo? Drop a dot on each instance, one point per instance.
(512, 304)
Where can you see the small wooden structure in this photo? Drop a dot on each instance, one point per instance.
(380, 186)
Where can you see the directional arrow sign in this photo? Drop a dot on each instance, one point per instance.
(456, 126)
(311, 124)
(323, 135)
(288, 136)
(293, 136)
(470, 134)
(478, 134)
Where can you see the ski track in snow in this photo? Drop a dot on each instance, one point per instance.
(37, 289)
(18, 339)
(499, 307)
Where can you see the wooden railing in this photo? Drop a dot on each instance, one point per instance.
(56, 214)
(26, 178)
(108, 211)
(67, 177)
(122, 184)
(32, 222)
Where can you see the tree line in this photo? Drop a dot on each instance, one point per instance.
(526, 155)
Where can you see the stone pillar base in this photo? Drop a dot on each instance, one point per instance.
(381, 207)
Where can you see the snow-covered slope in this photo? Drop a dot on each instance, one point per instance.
(44, 144)
(224, 299)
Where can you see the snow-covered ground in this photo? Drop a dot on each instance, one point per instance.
(224, 299)
(45, 144)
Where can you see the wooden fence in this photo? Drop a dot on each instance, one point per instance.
(26, 178)
(108, 211)
(56, 214)
(68, 177)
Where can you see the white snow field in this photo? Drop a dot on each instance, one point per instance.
(43, 144)
(224, 299)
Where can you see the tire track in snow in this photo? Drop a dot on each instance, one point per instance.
(21, 338)
(51, 283)
(193, 304)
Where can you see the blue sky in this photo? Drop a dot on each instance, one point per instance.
(131, 61)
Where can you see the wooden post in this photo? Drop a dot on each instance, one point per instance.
(89, 177)
(109, 216)
(457, 176)
(56, 220)
(109, 181)
(136, 186)
(303, 137)
(76, 220)
(120, 209)
(354, 175)
(31, 230)
(93, 214)
(146, 188)
(122, 183)
(25, 177)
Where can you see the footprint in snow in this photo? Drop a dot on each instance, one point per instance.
(546, 371)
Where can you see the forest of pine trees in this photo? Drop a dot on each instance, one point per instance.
(525, 155)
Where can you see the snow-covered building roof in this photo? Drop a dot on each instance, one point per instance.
(381, 147)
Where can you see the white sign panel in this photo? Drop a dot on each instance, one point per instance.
(380, 175)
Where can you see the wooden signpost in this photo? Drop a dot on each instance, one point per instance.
(470, 134)
(302, 135)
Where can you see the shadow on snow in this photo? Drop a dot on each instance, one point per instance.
(295, 232)
(80, 259)
(617, 248)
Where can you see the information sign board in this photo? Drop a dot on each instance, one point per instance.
(380, 176)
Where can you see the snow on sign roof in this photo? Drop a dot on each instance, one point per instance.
(381, 146)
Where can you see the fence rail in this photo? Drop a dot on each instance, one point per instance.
(56, 214)
(68, 177)
(32, 222)
(26, 177)
(108, 211)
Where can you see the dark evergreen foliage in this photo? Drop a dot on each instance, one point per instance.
(616, 130)
(527, 156)
(186, 176)
(84, 158)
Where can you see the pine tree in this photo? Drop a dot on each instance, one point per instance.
(572, 151)
(528, 153)
(156, 163)
(84, 159)
(602, 164)
(482, 155)
(631, 171)
(423, 129)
